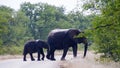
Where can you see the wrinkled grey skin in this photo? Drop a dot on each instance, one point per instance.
(63, 39)
(34, 46)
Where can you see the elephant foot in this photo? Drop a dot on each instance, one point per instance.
(42, 58)
(38, 60)
(24, 60)
(53, 59)
(47, 57)
(63, 59)
(32, 59)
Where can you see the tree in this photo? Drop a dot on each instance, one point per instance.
(19, 29)
(106, 31)
(43, 18)
(5, 21)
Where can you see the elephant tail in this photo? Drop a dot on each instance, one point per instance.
(25, 50)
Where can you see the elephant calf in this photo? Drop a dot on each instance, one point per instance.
(33, 47)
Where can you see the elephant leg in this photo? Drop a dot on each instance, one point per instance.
(64, 53)
(74, 50)
(24, 58)
(38, 56)
(52, 55)
(32, 59)
(43, 55)
(48, 54)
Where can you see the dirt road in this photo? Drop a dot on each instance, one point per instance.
(91, 61)
(79, 62)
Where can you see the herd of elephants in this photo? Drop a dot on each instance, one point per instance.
(58, 39)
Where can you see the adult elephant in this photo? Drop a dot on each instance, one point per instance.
(62, 39)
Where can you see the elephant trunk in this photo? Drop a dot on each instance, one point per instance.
(85, 50)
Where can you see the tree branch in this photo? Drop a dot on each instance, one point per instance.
(107, 25)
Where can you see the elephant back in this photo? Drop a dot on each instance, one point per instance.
(56, 33)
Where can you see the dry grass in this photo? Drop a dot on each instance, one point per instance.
(5, 57)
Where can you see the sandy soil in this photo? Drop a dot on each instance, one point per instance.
(6, 57)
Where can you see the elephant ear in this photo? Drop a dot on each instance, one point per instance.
(73, 32)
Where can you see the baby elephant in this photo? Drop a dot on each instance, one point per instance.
(33, 47)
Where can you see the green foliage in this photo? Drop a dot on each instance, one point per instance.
(5, 19)
(12, 50)
(43, 18)
(107, 34)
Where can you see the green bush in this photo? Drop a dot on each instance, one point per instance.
(12, 50)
